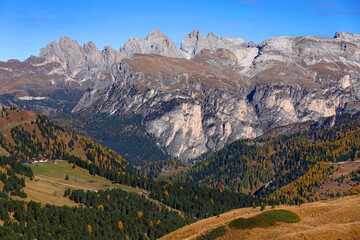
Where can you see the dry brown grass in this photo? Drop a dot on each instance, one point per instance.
(330, 219)
(15, 118)
(44, 192)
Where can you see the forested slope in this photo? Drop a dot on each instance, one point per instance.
(125, 135)
(294, 165)
(39, 137)
(31, 136)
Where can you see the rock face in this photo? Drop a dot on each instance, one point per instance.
(212, 91)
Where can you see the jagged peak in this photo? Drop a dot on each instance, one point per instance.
(53, 48)
(67, 40)
(135, 39)
(350, 37)
(155, 34)
(90, 46)
(51, 44)
(107, 48)
(341, 34)
(212, 35)
(195, 34)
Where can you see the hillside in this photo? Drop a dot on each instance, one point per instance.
(27, 136)
(159, 169)
(37, 140)
(337, 218)
(28, 211)
(125, 135)
(33, 182)
(49, 183)
(284, 168)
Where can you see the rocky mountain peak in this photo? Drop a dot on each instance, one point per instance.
(156, 33)
(77, 62)
(351, 37)
(51, 49)
(66, 42)
(194, 42)
(193, 33)
(110, 55)
(156, 42)
(212, 35)
(310, 50)
(90, 46)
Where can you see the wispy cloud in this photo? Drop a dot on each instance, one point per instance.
(319, 4)
(337, 13)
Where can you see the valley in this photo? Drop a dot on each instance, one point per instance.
(329, 162)
(201, 138)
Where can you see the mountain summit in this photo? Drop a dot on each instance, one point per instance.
(156, 42)
(195, 41)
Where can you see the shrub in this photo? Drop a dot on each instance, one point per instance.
(283, 216)
(217, 232)
(265, 220)
(260, 220)
(262, 208)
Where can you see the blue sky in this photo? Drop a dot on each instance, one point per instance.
(26, 26)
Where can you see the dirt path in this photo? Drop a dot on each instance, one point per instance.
(340, 163)
(65, 184)
(164, 205)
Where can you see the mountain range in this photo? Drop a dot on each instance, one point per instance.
(195, 99)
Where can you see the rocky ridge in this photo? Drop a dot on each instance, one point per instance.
(212, 90)
(194, 42)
